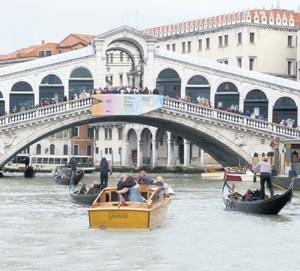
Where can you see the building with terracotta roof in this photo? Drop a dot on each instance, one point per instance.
(260, 40)
(71, 42)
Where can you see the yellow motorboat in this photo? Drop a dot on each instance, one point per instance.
(108, 212)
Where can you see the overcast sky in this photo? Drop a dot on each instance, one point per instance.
(28, 22)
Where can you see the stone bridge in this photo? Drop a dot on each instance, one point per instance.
(231, 139)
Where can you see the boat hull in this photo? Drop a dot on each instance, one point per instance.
(128, 218)
(83, 199)
(270, 206)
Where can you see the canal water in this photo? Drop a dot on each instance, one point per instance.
(41, 229)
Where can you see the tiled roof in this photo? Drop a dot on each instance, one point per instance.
(279, 17)
(73, 39)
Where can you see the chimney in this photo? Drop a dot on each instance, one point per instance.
(43, 41)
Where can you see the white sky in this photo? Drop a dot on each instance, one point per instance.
(28, 22)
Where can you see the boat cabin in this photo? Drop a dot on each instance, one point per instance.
(109, 197)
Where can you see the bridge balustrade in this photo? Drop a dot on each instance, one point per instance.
(237, 119)
(42, 113)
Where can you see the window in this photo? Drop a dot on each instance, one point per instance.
(189, 46)
(108, 133)
(75, 149)
(66, 149)
(183, 47)
(207, 43)
(168, 47)
(220, 41)
(106, 150)
(89, 150)
(75, 132)
(128, 58)
(173, 47)
(121, 56)
(41, 53)
(240, 38)
(111, 58)
(38, 149)
(97, 150)
(239, 62)
(226, 40)
(121, 79)
(90, 132)
(200, 45)
(223, 61)
(52, 149)
(290, 41)
(252, 37)
(226, 62)
(251, 63)
(48, 53)
(120, 151)
(110, 150)
(97, 134)
(290, 67)
(66, 133)
(120, 133)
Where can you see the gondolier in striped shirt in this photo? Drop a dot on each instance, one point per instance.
(265, 170)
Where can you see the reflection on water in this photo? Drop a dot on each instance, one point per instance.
(42, 229)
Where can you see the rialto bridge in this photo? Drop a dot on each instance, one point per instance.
(228, 137)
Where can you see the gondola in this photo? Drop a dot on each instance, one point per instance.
(62, 175)
(86, 199)
(269, 206)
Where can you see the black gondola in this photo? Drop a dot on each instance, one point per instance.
(86, 199)
(62, 175)
(269, 206)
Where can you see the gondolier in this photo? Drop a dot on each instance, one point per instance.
(104, 170)
(265, 170)
(73, 164)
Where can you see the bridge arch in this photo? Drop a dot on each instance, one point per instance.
(227, 96)
(51, 87)
(81, 79)
(285, 108)
(256, 102)
(168, 83)
(21, 97)
(198, 86)
(2, 104)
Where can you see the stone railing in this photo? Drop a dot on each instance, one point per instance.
(77, 106)
(41, 113)
(231, 118)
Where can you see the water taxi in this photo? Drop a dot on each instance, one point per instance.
(107, 211)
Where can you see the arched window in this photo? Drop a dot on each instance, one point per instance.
(66, 149)
(227, 96)
(285, 108)
(38, 149)
(21, 97)
(51, 90)
(168, 83)
(198, 88)
(21, 86)
(52, 149)
(256, 103)
(80, 80)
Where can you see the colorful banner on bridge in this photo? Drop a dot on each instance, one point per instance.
(126, 104)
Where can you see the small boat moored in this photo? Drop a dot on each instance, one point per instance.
(269, 206)
(108, 212)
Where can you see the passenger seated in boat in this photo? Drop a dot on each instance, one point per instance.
(129, 189)
(95, 188)
(142, 179)
(80, 189)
